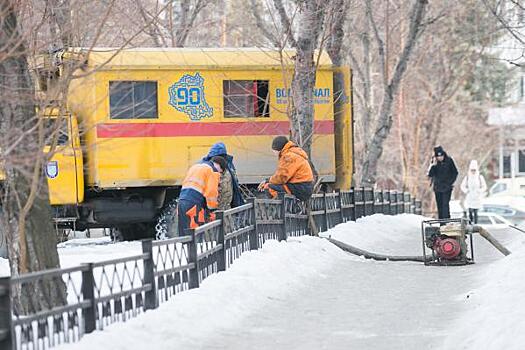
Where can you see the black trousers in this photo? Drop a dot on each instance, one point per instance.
(473, 215)
(442, 201)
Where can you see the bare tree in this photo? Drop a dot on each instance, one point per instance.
(374, 147)
(173, 25)
(443, 97)
(311, 19)
(26, 212)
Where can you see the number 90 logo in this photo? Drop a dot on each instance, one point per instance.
(188, 96)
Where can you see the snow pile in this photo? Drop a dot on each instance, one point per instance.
(495, 316)
(382, 234)
(275, 271)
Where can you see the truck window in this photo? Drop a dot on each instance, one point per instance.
(133, 100)
(55, 128)
(246, 98)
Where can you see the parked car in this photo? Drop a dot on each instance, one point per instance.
(508, 187)
(488, 219)
(515, 216)
(491, 221)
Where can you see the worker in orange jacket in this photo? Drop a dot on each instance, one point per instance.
(199, 194)
(293, 175)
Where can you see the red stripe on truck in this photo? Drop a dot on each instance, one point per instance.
(116, 130)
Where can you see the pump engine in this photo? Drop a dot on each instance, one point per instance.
(447, 240)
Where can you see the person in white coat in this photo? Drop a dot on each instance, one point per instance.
(474, 186)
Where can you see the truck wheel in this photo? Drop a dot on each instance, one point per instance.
(144, 230)
(167, 221)
(62, 234)
(123, 233)
(132, 232)
(115, 233)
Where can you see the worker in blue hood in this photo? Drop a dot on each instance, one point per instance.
(229, 192)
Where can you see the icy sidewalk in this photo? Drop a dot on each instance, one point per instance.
(358, 305)
(252, 283)
(384, 305)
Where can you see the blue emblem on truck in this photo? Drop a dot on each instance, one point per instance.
(52, 169)
(187, 96)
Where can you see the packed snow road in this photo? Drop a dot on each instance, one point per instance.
(308, 294)
(357, 305)
(365, 304)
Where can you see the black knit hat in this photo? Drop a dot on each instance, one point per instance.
(439, 151)
(279, 142)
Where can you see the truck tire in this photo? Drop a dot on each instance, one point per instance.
(62, 234)
(167, 221)
(116, 234)
(133, 232)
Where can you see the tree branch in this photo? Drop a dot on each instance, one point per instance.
(261, 24)
(285, 22)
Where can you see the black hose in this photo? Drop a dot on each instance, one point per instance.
(368, 255)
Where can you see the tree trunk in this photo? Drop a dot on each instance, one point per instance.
(384, 123)
(311, 20)
(26, 212)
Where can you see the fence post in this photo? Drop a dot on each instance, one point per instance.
(413, 206)
(151, 300)
(88, 293)
(342, 215)
(386, 202)
(221, 261)
(377, 197)
(418, 210)
(393, 205)
(373, 200)
(353, 215)
(363, 201)
(326, 219)
(193, 258)
(6, 327)
(254, 237)
(283, 235)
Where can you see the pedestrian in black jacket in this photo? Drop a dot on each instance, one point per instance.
(443, 172)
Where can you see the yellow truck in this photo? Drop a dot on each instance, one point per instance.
(137, 119)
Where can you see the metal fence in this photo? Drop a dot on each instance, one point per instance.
(61, 305)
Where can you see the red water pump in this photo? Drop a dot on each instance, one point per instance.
(448, 241)
(447, 248)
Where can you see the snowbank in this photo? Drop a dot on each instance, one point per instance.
(383, 234)
(495, 316)
(256, 279)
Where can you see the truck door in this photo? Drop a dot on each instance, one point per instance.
(64, 168)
